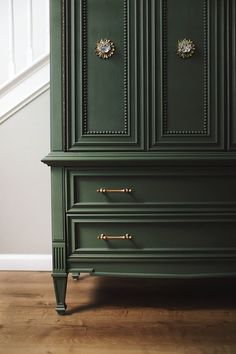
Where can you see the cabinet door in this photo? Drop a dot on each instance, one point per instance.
(102, 105)
(187, 88)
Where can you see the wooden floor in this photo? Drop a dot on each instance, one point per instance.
(114, 315)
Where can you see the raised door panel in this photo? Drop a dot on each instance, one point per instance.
(103, 111)
(187, 94)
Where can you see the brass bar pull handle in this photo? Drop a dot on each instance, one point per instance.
(108, 237)
(106, 190)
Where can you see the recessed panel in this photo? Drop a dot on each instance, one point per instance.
(172, 189)
(187, 63)
(102, 67)
(158, 234)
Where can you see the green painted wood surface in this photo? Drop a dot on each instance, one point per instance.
(188, 102)
(160, 116)
(172, 187)
(138, 96)
(231, 73)
(148, 120)
(56, 75)
(58, 221)
(101, 114)
(105, 83)
(58, 207)
(145, 158)
(167, 268)
(151, 234)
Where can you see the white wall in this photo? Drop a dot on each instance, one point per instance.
(25, 225)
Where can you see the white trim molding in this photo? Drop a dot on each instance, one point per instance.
(28, 262)
(25, 87)
(12, 62)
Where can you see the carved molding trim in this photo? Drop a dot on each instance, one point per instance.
(63, 58)
(125, 68)
(164, 66)
(231, 71)
(205, 129)
(84, 68)
(205, 68)
(59, 258)
(85, 76)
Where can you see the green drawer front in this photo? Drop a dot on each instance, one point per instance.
(150, 235)
(181, 188)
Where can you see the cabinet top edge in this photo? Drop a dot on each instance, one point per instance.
(137, 158)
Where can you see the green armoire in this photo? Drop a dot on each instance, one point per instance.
(143, 139)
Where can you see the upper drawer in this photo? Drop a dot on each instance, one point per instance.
(169, 188)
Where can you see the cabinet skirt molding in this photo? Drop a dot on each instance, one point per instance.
(27, 262)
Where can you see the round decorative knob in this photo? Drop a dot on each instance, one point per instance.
(185, 48)
(105, 48)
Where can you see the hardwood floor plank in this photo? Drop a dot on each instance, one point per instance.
(112, 315)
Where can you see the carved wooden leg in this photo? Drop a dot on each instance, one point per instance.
(60, 284)
(75, 275)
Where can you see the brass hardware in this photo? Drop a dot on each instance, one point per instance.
(108, 237)
(104, 48)
(105, 190)
(185, 48)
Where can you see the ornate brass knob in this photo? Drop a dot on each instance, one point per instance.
(104, 48)
(185, 48)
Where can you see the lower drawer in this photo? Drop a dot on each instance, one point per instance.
(109, 235)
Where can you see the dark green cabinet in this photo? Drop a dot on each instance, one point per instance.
(143, 139)
(146, 86)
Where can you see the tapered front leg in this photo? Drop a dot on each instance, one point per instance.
(60, 285)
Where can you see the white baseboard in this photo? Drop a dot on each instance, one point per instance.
(29, 262)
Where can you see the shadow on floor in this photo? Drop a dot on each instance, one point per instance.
(169, 294)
